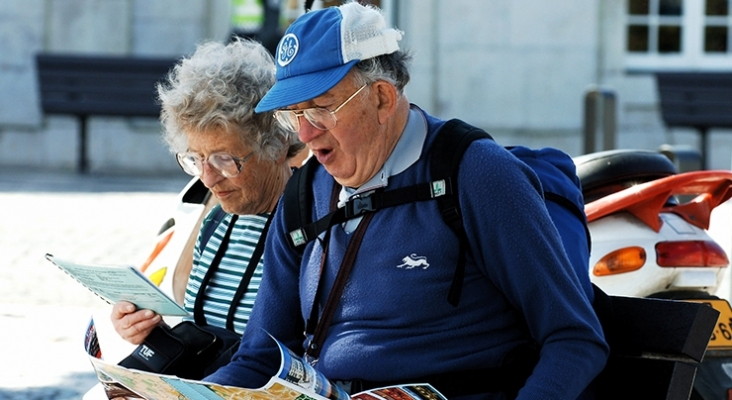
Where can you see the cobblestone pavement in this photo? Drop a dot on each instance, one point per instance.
(43, 312)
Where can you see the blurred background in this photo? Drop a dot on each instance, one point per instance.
(575, 74)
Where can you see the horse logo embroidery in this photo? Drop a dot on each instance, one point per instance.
(414, 261)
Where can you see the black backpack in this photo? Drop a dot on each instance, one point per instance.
(452, 141)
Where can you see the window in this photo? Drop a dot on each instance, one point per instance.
(654, 26)
(716, 26)
(678, 34)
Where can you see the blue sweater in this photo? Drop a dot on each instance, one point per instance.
(394, 323)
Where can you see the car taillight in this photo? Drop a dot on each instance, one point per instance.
(691, 253)
(619, 261)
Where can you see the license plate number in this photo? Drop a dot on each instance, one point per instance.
(722, 335)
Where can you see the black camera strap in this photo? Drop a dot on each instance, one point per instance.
(246, 278)
(318, 327)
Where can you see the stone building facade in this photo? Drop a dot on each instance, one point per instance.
(518, 68)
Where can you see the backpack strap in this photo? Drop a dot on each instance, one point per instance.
(297, 202)
(212, 268)
(248, 273)
(300, 230)
(216, 216)
(445, 155)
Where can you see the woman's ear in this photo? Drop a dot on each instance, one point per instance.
(387, 97)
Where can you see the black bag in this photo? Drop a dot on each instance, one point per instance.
(193, 350)
(186, 350)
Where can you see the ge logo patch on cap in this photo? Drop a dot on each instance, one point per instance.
(289, 45)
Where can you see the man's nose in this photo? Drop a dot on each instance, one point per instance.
(307, 131)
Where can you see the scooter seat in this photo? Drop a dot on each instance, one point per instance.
(606, 172)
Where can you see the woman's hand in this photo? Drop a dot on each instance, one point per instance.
(131, 324)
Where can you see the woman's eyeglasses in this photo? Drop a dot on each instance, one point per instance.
(225, 164)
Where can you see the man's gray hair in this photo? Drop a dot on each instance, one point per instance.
(392, 68)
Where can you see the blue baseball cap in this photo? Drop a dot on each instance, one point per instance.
(321, 46)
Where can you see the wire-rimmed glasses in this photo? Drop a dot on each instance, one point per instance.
(319, 117)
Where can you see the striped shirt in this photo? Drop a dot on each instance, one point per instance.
(225, 281)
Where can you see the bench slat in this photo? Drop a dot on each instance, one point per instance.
(696, 99)
(111, 86)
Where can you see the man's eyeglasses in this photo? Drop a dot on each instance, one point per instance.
(319, 117)
(225, 164)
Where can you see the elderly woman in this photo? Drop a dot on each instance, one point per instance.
(243, 158)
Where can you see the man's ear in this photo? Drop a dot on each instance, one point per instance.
(387, 97)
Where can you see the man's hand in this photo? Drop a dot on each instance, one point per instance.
(131, 324)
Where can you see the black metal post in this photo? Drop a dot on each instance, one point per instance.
(83, 165)
(703, 146)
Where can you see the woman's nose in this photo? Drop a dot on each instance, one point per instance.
(210, 176)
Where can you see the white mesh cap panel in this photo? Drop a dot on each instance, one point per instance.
(365, 34)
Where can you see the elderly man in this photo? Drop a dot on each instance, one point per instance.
(523, 326)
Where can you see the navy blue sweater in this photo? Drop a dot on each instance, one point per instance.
(394, 323)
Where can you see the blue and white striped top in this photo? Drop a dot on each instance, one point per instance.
(225, 281)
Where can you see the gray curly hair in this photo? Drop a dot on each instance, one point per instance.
(217, 88)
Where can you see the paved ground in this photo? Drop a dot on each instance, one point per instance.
(43, 312)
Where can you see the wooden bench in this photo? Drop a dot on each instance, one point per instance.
(699, 100)
(84, 86)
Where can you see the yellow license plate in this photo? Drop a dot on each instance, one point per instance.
(722, 335)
